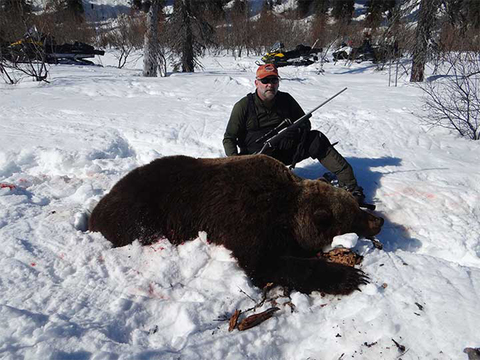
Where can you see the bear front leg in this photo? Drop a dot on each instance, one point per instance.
(313, 274)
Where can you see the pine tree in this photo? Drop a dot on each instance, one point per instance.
(187, 52)
(15, 7)
(426, 22)
(190, 34)
(374, 13)
(321, 6)
(211, 9)
(454, 10)
(463, 14)
(473, 13)
(75, 7)
(376, 9)
(136, 4)
(343, 9)
(268, 4)
(303, 7)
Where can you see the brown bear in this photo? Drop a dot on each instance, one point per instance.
(273, 221)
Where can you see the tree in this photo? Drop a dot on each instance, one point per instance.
(128, 35)
(263, 34)
(152, 57)
(239, 35)
(212, 9)
(453, 101)
(66, 10)
(15, 19)
(25, 57)
(426, 22)
(189, 33)
(15, 7)
(473, 13)
(375, 11)
(303, 7)
(75, 7)
(321, 7)
(343, 10)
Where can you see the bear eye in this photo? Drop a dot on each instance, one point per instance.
(322, 217)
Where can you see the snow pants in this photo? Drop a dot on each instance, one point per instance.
(317, 146)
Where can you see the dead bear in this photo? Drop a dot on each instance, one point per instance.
(273, 221)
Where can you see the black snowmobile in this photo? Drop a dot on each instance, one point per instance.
(302, 55)
(75, 53)
(366, 52)
(35, 46)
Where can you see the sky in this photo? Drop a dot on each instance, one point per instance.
(65, 293)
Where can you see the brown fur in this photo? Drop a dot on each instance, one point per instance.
(273, 221)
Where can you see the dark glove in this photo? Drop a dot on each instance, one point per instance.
(357, 192)
(290, 138)
(292, 133)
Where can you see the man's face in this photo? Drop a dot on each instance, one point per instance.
(267, 87)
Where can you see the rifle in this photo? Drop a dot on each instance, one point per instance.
(274, 136)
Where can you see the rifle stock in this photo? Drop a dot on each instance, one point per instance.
(275, 139)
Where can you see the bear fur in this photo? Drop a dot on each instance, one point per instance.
(273, 221)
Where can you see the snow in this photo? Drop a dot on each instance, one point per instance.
(66, 294)
(348, 241)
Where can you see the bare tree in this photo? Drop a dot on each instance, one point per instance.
(239, 27)
(26, 57)
(126, 37)
(453, 101)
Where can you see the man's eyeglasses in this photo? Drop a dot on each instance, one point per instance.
(269, 80)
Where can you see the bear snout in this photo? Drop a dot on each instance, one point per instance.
(368, 224)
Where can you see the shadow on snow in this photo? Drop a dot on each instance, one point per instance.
(393, 236)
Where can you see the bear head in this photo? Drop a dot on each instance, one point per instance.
(325, 211)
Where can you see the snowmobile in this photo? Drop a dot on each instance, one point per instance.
(342, 53)
(366, 52)
(75, 53)
(302, 55)
(35, 46)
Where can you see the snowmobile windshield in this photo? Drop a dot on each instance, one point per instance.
(277, 47)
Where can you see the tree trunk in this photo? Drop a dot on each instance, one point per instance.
(188, 57)
(150, 49)
(426, 21)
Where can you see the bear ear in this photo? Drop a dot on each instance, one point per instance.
(322, 217)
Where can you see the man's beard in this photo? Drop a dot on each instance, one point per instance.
(269, 94)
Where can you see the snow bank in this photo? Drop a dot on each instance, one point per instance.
(66, 294)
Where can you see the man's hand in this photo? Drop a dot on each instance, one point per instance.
(357, 192)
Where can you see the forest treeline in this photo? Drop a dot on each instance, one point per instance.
(233, 26)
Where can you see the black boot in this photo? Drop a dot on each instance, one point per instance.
(357, 192)
(336, 163)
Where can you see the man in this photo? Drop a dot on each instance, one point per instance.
(258, 113)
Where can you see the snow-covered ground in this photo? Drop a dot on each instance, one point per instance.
(66, 294)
